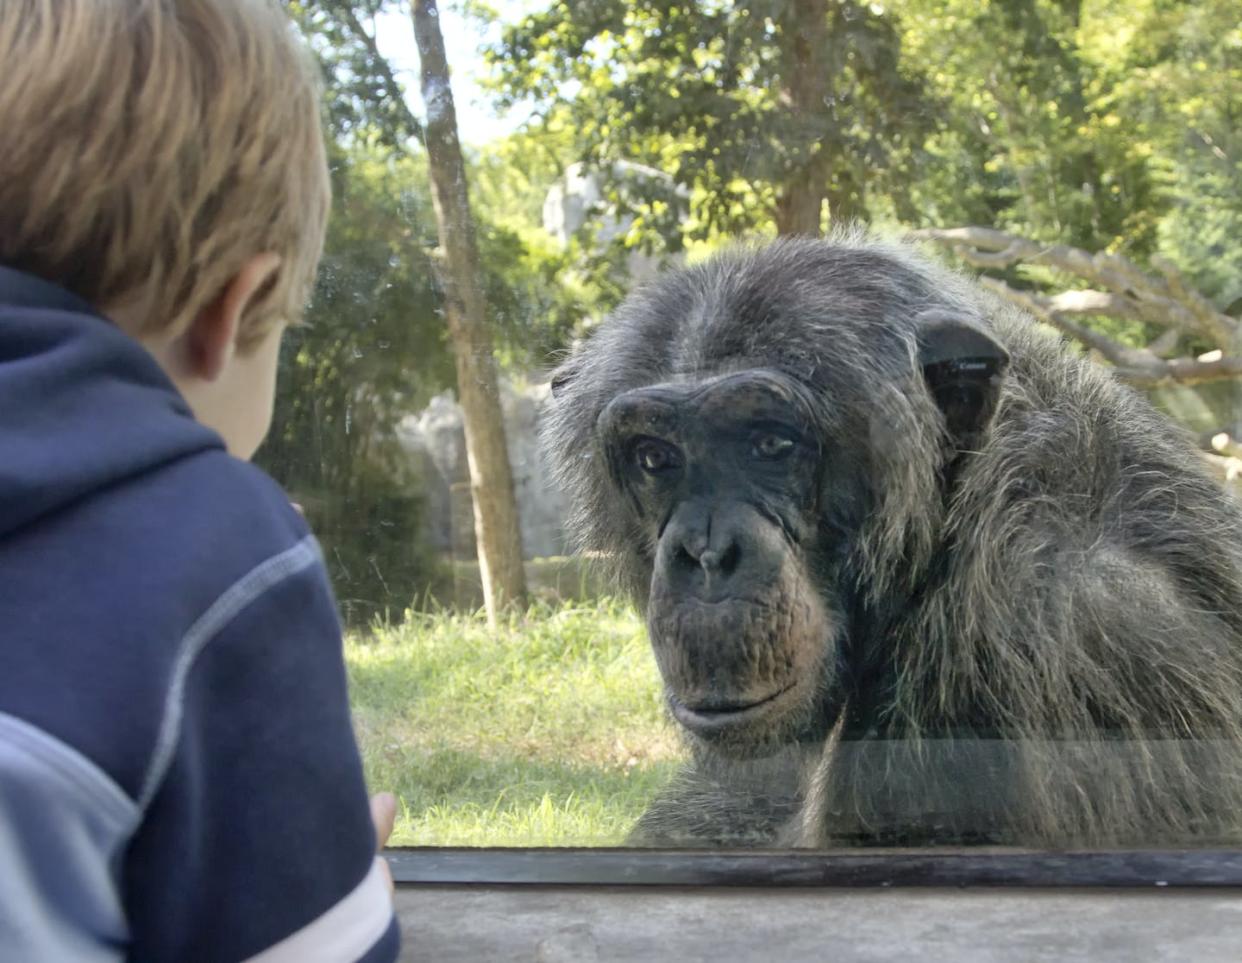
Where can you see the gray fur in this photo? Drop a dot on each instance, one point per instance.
(1047, 651)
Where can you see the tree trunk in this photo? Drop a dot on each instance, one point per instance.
(491, 480)
(800, 204)
(804, 42)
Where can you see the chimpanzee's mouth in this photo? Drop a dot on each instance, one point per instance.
(716, 715)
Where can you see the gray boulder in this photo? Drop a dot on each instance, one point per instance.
(436, 437)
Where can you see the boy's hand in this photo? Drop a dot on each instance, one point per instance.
(384, 815)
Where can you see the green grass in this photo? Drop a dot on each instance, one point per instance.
(548, 731)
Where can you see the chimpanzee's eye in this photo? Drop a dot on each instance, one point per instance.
(655, 457)
(772, 447)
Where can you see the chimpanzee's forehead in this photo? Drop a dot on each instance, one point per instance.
(812, 344)
(752, 386)
(751, 395)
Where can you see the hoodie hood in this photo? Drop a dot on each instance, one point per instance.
(82, 405)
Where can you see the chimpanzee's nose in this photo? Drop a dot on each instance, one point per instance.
(702, 553)
(716, 561)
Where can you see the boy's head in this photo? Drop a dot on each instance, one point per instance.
(163, 160)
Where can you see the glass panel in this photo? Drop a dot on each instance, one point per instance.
(925, 533)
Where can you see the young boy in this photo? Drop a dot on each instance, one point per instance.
(178, 776)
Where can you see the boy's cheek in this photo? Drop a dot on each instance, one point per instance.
(264, 363)
(240, 403)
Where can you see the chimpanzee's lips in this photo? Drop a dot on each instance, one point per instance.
(710, 716)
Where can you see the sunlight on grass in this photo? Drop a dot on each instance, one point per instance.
(548, 731)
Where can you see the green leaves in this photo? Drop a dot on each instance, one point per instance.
(729, 96)
(363, 95)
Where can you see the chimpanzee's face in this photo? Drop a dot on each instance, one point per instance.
(723, 478)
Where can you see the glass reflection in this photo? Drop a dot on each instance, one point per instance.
(868, 551)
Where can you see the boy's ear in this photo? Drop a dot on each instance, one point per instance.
(212, 335)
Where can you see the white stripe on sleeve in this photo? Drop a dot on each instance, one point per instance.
(345, 932)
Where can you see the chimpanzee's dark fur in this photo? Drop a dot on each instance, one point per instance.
(996, 597)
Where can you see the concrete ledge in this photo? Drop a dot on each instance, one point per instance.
(687, 925)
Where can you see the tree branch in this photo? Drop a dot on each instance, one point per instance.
(1226, 468)
(1136, 366)
(1200, 306)
(1165, 345)
(381, 64)
(1222, 442)
(1129, 292)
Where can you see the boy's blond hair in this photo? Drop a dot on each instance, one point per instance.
(149, 147)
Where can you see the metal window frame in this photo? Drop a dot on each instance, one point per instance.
(1137, 868)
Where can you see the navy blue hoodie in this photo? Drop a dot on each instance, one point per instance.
(178, 775)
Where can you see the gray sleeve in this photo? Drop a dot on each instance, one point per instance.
(64, 825)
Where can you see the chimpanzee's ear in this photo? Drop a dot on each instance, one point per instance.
(963, 365)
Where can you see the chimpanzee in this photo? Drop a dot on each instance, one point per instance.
(913, 569)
